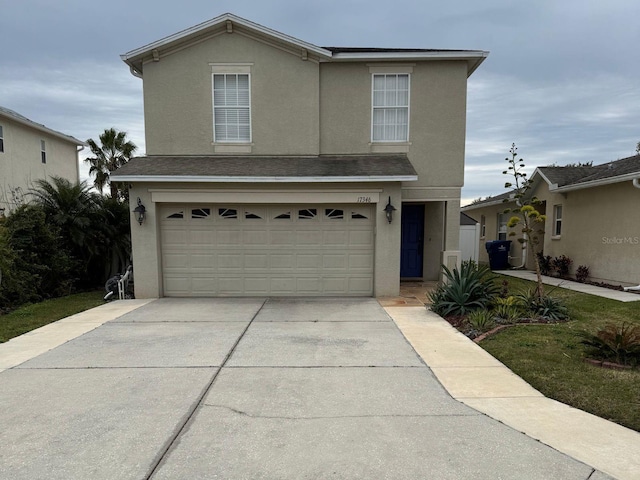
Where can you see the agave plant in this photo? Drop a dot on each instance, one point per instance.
(470, 288)
(546, 307)
(481, 320)
(615, 342)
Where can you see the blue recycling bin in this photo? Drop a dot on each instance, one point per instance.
(498, 251)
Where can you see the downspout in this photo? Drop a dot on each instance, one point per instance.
(524, 252)
(636, 182)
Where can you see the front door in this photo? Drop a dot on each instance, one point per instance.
(412, 241)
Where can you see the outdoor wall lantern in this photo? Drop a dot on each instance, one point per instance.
(388, 210)
(140, 212)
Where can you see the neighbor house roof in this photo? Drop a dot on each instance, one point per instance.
(489, 201)
(568, 178)
(323, 168)
(16, 117)
(231, 23)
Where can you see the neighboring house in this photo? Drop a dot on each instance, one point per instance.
(270, 163)
(592, 217)
(30, 151)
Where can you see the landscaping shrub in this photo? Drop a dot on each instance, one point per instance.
(561, 265)
(470, 288)
(481, 320)
(506, 310)
(545, 307)
(544, 261)
(619, 343)
(582, 273)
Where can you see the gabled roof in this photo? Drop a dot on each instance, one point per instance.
(562, 179)
(232, 23)
(16, 117)
(490, 201)
(323, 168)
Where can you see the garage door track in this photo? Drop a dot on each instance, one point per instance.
(276, 388)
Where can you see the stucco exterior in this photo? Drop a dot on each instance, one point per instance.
(600, 228)
(305, 101)
(21, 161)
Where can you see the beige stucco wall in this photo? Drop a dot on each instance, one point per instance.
(436, 124)
(600, 229)
(21, 165)
(146, 237)
(178, 102)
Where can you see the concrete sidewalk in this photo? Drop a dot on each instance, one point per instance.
(575, 286)
(474, 377)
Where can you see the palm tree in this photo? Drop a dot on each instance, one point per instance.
(113, 152)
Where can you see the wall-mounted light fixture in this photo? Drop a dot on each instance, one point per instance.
(140, 212)
(388, 210)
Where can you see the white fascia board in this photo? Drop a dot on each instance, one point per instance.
(474, 58)
(486, 204)
(217, 21)
(42, 128)
(214, 179)
(596, 183)
(537, 171)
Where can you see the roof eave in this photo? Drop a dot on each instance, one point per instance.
(247, 179)
(473, 57)
(134, 57)
(42, 128)
(490, 203)
(596, 183)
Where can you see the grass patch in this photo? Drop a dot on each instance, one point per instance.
(30, 317)
(551, 357)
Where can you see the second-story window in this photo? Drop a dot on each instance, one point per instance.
(43, 151)
(231, 107)
(390, 104)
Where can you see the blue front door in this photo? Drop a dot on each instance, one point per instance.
(412, 241)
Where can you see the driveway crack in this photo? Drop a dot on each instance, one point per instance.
(183, 424)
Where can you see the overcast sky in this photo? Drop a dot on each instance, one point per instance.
(562, 80)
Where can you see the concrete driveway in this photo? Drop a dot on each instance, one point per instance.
(252, 388)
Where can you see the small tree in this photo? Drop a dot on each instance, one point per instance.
(525, 214)
(113, 152)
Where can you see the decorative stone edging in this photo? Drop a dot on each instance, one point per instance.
(610, 365)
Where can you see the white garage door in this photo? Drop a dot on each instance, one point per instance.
(210, 250)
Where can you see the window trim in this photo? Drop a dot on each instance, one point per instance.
(231, 69)
(557, 221)
(483, 226)
(374, 74)
(43, 151)
(1, 139)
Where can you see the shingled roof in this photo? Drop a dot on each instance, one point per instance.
(15, 116)
(323, 168)
(570, 178)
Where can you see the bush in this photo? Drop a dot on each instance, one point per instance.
(470, 288)
(561, 265)
(545, 263)
(481, 320)
(620, 343)
(582, 273)
(545, 307)
(507, 309)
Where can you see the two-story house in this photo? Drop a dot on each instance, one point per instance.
(277, 167)
(30, 151)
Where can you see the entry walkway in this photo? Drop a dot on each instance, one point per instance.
(575, 286)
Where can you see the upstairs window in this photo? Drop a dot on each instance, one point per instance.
(557, 220)
(390, 101)
(231, 108)
(43, 151)
(1, 140)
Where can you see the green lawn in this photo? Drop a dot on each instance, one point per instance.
(30, 317)
(550, 357)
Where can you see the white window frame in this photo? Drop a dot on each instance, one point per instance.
(388, 107)
(1, 140)
(231, 69)
(483, 226)
(557, 220)
(43, 151)
(503, 221)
